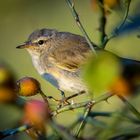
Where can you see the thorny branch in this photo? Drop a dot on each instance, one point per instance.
(82, 104)
(95, 101)
(102, 24)
(78, 22)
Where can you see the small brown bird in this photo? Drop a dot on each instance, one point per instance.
(58, 57)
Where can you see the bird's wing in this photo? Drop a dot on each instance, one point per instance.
(70, 52)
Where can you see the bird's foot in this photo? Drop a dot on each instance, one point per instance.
(60, 103)
(63, 102)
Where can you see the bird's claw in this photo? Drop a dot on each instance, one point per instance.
(63, 102)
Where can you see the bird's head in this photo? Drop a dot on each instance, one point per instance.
(38, 41)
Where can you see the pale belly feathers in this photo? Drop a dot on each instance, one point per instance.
(63, 81)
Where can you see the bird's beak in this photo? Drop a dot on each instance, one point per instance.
(25, 45)
(21, 46)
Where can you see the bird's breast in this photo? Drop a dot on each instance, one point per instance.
(37, 64)
(65, 81)
(61, 79)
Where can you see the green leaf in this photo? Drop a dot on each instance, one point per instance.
(100, 72)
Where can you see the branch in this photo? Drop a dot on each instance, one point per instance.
(45, 98)
(75, 95)
(124, 18)
(78, 22)
(90, 119)
(83, 122)
(130, 106)
(117, 118)
(127, 134)
(65, 99)
(82, 104)
(102, 23)
(10, 132)
(116, 30)
(110, 114)
(61, 131)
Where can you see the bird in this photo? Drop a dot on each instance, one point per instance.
(58, 57)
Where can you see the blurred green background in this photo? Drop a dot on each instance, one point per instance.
(19, 18)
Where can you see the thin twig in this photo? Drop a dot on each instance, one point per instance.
(10, 132)
(117, 118)
(110, 114)
(96, 123)
(75, 123)
(127, 134)
(78, 22)
(65, 99)
(130, 106)
(61, 131)
(102, 24)
(125, 16)
(75, 95)
(115, 32)
(83, 122)
(103, 114)
(46, 101)
(113, 125)
(45, 98)
(65, 102)
(91, 120)
(82, 104)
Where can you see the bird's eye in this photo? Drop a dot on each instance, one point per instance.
(41, 42)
